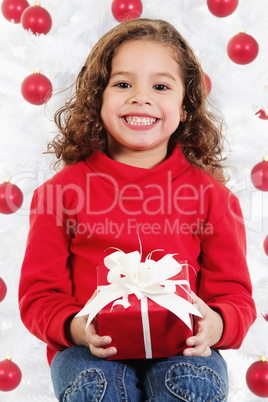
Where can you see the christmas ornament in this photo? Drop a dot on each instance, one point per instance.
(37, 19)
(3, 289)
(10, 375)
(257, 377)
(242, 48)
(124, 10)
(265, 244)
(222, 8)
(36, 88)
(261, 114)
(259, 175)
(11, 198)
(12, 9)
(208, 84)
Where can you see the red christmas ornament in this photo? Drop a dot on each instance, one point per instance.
(37, 19)
(124, 10)
(3, 289)
(242, 48)
(261, 114)
(36, 88)
(222, 8)
(208, 84)
(10, 375)
(257, 378)
(265, 244)
(12, 9)
(259, 175)
(11, 198)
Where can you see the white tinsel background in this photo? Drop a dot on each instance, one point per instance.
(238, 91)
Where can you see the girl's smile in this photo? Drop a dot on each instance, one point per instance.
(140, 122)
(142, 103)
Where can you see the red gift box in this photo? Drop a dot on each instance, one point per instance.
(167, 333)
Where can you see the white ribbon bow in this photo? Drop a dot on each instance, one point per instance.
(150, 279)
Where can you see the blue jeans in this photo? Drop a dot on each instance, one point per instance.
(78, 376)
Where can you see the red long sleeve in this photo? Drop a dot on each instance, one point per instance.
(94, 205)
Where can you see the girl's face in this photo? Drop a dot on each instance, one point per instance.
(142, 103)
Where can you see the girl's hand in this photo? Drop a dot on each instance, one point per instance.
(89, 337)
(96, 342)
(208, 330)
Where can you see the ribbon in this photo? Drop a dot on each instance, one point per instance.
(150, 279)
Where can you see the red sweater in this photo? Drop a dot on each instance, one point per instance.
(100, 203)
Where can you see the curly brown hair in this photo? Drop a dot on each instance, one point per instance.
(79, 121)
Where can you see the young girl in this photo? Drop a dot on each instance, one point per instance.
(141, 150)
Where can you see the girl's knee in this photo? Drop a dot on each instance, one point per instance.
(90, 385)
(191, 383)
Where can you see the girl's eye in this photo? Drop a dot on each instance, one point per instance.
(161, 87)
(122, 85)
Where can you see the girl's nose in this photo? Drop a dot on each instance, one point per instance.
(140, 97)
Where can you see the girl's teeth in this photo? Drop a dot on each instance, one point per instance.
(142, 121)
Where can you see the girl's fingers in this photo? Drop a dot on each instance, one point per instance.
(199, 350)
(97, 343)
(102, 353)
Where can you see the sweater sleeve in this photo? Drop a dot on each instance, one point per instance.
(45, 290)
(225, 281)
